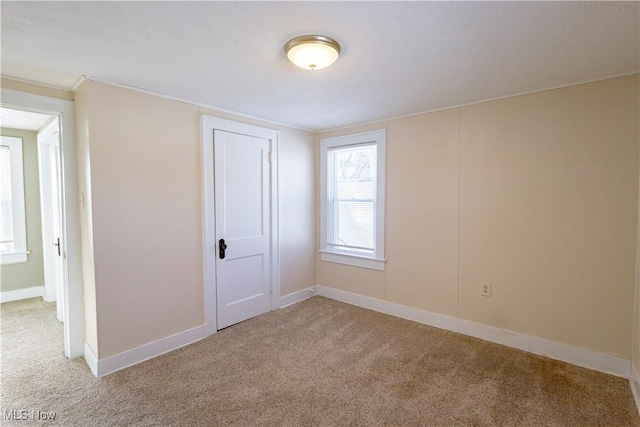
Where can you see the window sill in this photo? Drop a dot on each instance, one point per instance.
(13, 258)
(354, 260)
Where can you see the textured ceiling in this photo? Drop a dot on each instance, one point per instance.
(398, 58)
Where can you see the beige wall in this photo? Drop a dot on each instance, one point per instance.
(422, 211)
(296, 176)
(31, 273)
(548, 212)
(146, 216)
(140, 167)
(19, 86)
(537, 194)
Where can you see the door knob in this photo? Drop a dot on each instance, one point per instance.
(57, 244)
(222, 246)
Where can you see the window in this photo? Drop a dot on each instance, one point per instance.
(13, 234)
(352, 202)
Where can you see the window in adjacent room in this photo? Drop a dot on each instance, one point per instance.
(352, 199)
(13, 233)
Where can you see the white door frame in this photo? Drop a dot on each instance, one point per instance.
(50, 209)
(208, 218)
(74, 292)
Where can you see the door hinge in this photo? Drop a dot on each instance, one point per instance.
(269, 156)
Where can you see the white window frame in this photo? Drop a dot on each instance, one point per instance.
(20, 252)
(377, 260)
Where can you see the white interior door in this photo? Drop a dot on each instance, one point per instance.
(242, 223)
(51, 212)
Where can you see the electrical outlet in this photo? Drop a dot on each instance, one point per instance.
(485, 289)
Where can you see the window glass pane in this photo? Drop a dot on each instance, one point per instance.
(355, 169)
(354, 198)
(6, 208)
(355, 224)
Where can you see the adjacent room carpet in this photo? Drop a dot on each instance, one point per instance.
(319, 362)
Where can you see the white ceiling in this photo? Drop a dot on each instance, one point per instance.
(398, 58)
(25, 120)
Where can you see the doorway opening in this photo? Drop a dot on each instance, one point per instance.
(31, 216)
(59, 227)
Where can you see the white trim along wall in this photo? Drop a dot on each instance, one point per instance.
(589, 359)
(296, 297)
(635, 386)
(576, 356)
(18, 294)
(111, 364)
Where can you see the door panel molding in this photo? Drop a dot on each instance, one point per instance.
(242, 219)
(209, 124)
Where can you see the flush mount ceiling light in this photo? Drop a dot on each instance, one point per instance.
(312, 52)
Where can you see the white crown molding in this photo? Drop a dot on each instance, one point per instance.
(187, 101)
(588, 359)
(481, 101)
(34, 83)
(77, 84)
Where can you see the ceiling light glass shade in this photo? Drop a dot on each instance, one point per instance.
(312, 52)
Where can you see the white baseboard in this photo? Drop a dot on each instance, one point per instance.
(91, 359)
(295, 297)
(635, 385)
(111, 364)
(18, 294)
(576, 356)
(108, 365)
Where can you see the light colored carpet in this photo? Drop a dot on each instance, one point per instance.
(319, 362)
